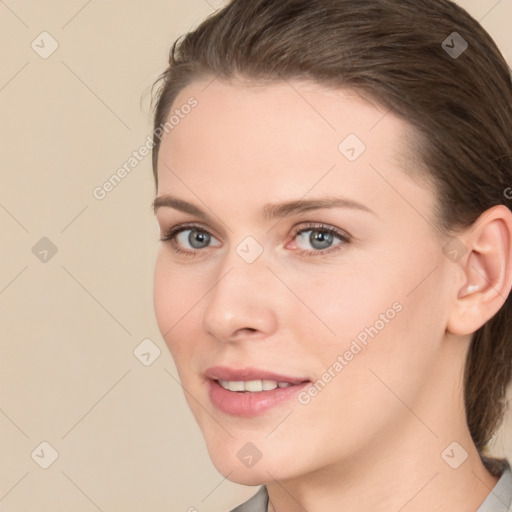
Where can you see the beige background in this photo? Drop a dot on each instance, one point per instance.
(69, 325)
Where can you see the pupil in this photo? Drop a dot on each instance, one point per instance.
(197, 238)
(322, 237)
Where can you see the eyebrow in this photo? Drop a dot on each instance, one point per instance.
(271, 210)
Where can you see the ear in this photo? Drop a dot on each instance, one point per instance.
(486, 271)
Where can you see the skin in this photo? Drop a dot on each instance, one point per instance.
(372, 439)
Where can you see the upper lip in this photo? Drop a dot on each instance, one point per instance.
(249, 373)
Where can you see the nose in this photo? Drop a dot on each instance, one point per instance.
(243, 301)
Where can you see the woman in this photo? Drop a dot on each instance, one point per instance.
(334, 276)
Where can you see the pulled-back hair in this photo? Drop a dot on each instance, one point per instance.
(397, 54)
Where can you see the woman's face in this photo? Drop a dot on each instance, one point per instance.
(305, 255)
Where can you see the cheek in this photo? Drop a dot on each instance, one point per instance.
(377, 323)
(344, 302)
(400, 339)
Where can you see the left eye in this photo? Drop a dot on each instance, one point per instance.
(318, 239)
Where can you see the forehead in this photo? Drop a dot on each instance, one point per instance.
(287, 110)
(280, 139)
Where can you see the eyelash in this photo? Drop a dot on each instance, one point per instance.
(171, 235)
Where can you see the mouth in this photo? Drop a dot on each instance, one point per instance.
(250, 392)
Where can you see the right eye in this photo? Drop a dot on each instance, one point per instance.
(189, 239)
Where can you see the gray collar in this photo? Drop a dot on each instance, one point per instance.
(500, 498)
(258, 503)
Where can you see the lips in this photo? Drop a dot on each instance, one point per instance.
(250, 392)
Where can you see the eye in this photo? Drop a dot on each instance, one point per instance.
(321, 238)
(189, 239)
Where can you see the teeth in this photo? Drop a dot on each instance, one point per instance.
(269, 385)
(235, 385)
(252, 386)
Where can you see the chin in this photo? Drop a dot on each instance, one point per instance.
(260, 472)
(245, 466)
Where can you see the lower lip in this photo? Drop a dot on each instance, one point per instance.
(248, 405)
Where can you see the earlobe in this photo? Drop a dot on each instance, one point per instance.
(487, 271)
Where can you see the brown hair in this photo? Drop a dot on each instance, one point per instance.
(397, 53)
